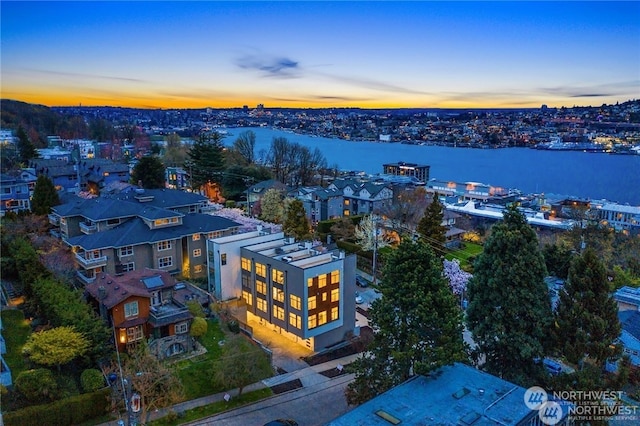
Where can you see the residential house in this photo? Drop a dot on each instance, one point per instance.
(362, 197)
(91, 175)
(14, 194)
(159, 229)
(146, 304)
(627, 298)
(453, 235)
(256, 192)
(298, 289)
(456, 394)
(320, 203)
(177, 178)
(630, 335)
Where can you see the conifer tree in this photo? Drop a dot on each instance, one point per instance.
(150, 172)
(26, 148)
(44, 197)
(296, 222)
(430, 226)
(509, 307)
(587, 316)
(205, 160)
(417, 320)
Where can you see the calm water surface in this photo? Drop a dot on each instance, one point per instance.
(580, 174)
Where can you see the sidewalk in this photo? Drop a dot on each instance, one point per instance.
(309, 376)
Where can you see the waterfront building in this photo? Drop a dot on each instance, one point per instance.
(420, 172)
(620, 217)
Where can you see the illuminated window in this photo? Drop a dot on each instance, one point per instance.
(165, 262)
(295, 302)
(245, 264)
(295, 320)
(278, 312)
(195, 237)
(223, 259)
(131, 309)
(346, 213)
(261, 287)
(197, 253)
(215, 234)
(322, 280)
(311, 303)
(335, 277)
(312, 323)
(324, 296)
(347, 202)
(309, 282)
(278, 294)
(134, 333)
(335, 294)
(197, 269)
(261, 269)
(164, 245)
(261, 304)
(182, 327)
(334, 313)
(248, 297)
(125, 251)
(322, 317)
(277, 276)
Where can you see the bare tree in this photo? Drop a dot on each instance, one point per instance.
(406, 210)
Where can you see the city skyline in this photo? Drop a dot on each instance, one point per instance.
(321, 54)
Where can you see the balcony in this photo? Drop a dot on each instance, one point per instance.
(95, 262)
(88, 228)
(54, 219)
(84, 278)
(168, 313)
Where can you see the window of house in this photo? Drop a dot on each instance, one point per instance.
(164, 245)
(125, 251)
(347, 202)
(92, 254)
(324, 296)
(334, 313)
(195, 237)
(113, 221)
(295, 320)
(128, 267)
(182, 327)
(131, 309)
(309, 282)
(165, 262)
(311, 303)
(223, 259)
(134, 333)
(156, 298)
(278, 294)
(335, 277)
(246, 280)
(261, 269)
(322, 280)
(261, 304)
(160, 222)
(295, 302)
(277, 276)
(335, 294)
(278, 312)
(312, 322)
(197, 253)
(248, 297)
(261, 287)
(197, 269)
(245, 264)
(215, 234)
(322, 317)
(346, 213)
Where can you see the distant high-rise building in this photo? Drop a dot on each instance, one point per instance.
(420, 172)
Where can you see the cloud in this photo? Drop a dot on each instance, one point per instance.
(616, 88)
(84, 75)
(281, 67)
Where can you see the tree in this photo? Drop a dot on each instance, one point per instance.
(557, 258)
(149, 173)
(205, 160)
(57, 346)
(406, 210)
(26, 149)
(37, 384)
(91, 380)
(587, 316)
(244, 147)
(240, 364)
(509, 308)
(272, 206)
(417, 320)
(44, 197)
(343, 229)
(296, 223)
(368, 235)
(199, 327)
(430, 226)
(458, 279)
(175, 153)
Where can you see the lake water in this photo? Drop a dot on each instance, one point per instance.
(574, 173)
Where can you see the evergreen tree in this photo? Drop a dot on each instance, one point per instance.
(26, 149)
(296, 223)
(417, 320)
(205, 160)
(557, 258)
(509, 307)
(150, 172)
(44, 197)
(430, 226)
(587, 316)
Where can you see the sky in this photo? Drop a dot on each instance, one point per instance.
(369, 54)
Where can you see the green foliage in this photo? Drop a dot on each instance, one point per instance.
(44, 197)
(16, 330)
(623, 278)
(91, 380)
(205, 159)
(509, 308)
(233, 326)
(27, 264)
(587, 316)
(198, 327)
(37, 385)
(195, 308)
(69, 411)
(348, 247)
(150, 172)
(430, 226)
(26, 149)
(272, 206)
(557, 259)
(55, 347)
(241, 364)
(296, 223)
(418, 323)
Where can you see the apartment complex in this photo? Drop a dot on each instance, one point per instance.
(418, 171)
(301, 290)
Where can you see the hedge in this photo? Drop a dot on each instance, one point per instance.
(68, 411)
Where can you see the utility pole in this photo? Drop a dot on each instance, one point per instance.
(374, 220)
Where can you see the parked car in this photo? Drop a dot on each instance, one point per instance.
(361, 282)
(359, 298)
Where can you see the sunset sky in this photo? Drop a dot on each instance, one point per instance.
(320, 54)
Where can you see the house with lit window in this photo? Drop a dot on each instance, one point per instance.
(619, 217)
(14, 194)
(362, 197)
(157, 229)
(91, 175)
(418, 171)
(146, 304)
(301, 290)
(319, 203)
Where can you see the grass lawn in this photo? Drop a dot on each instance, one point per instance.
(468, 250)
(16, 330)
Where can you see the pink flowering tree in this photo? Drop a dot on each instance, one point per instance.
(458, 278)
(248, 223)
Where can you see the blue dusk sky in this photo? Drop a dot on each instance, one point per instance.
(368, 54)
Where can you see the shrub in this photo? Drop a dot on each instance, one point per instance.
(37, 384)
(198, 327)
(233, 326)
(91, 380)
(195, 308)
